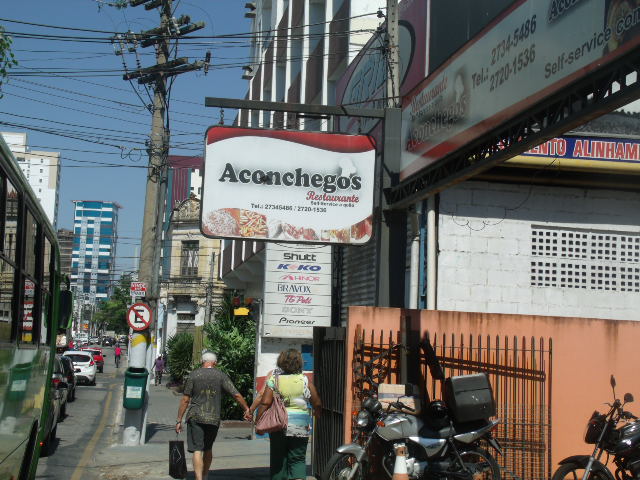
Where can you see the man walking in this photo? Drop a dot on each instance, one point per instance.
(202, 395)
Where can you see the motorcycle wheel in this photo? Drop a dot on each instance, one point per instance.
(481, 463)
(573, 471)
(339, 468)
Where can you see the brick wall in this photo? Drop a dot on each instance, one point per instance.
(539, 250)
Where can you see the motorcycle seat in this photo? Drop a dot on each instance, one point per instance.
(443, 432)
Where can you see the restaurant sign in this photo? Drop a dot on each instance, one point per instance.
(288, 185)
(533, 50)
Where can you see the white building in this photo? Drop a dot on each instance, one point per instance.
(299, 57)
(42, 170)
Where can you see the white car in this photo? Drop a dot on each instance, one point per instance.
(84, 365)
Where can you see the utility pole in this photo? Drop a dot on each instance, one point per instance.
(391, 265)
(140, 351)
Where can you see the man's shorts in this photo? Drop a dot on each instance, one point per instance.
(200, 436)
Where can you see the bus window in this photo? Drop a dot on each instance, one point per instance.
(46, 265)
(45, 308)
(27, 332)
(10, 222)
(31, 245)
(7, 273)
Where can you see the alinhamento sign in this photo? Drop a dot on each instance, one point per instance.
(288, 185)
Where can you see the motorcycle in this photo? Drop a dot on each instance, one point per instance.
(622, 443)
(446, 445)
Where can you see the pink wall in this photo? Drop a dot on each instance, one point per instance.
(585, 353)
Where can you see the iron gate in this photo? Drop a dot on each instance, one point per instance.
(520, 373)
(329, 379)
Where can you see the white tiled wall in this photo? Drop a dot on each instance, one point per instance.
(485, 250)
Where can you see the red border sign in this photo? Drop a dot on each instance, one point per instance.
(139, 317)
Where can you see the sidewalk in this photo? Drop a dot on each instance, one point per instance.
(235, 455)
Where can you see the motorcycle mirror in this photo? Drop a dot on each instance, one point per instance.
(613, 381)
(628, 398)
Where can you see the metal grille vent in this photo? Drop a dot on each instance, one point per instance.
(599, 260)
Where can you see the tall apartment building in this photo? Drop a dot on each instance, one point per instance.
(65, 243)
(95, 227)
(42, 170)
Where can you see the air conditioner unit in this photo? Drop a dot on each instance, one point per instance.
(249, 72)
(252, 10)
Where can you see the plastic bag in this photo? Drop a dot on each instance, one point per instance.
(177, 459)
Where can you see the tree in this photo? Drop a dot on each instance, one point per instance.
(7, 59)
(112, 313)
(179, 355)
(233, 338)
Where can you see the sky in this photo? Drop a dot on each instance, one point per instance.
(69, 96)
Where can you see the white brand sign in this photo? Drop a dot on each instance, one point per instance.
(297, 290)
(288, 185)
(531, 51)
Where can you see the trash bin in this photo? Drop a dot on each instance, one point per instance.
(135, 386)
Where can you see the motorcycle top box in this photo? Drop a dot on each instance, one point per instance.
(469, 397)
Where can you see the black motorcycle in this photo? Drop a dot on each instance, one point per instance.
(446, 443)
(620, 443)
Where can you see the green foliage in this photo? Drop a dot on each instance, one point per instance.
(112, 313)
(233, 338)
(179, 355)
(7, 59)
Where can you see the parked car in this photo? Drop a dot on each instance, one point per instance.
(84, 365)
(70, 375)
(47, 444)
(98, 356)
(59, 382)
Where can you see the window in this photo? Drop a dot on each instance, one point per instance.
(186, 317)
(6, 295)
(10, 222)
(31, 247)
(26, 332)
(189, 258)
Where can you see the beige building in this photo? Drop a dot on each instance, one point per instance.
(41, 169)
(192, 290)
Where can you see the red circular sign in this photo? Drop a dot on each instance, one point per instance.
(139, 316)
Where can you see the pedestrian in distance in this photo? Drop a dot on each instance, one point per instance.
(118, 353)
(202, 397)
(289, 447)
(158, 367)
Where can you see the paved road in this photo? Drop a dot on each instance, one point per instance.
(88, 426)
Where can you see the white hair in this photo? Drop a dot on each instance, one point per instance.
(209, 357)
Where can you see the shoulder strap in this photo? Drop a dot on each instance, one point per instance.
(307, 392)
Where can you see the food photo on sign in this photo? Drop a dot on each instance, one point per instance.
(288, 186)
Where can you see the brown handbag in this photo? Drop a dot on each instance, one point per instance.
(275, 418)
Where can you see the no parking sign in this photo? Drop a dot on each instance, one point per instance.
(139, 316)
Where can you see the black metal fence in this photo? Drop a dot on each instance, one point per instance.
(520, 373)
(329, 379)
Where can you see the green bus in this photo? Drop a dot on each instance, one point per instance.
(32, 309)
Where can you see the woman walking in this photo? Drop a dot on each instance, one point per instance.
(289, 447)
(158, 365)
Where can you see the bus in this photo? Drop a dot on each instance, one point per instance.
(32, 309)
